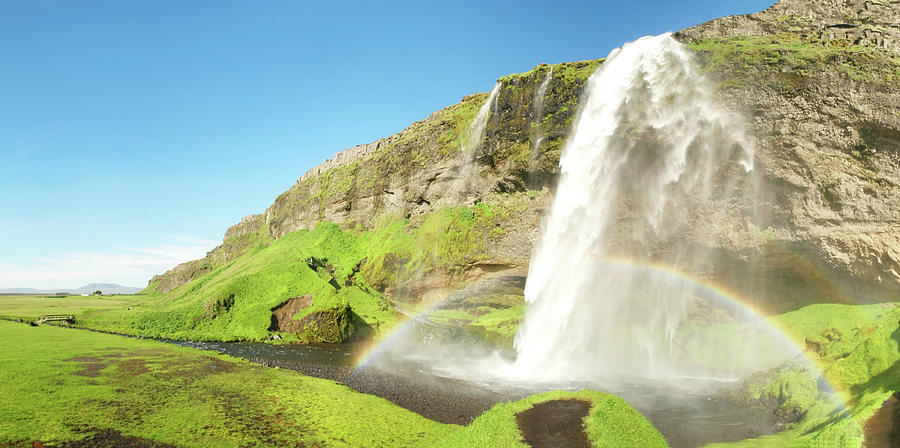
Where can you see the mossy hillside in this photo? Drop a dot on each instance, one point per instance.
(788, 62)
(858, 350)
(235, 301)
(610, 423)
(61, 385)
(525, 141)
(451, 240)
(337, 267)
(253, 235)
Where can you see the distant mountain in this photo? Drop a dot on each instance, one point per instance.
(106, 288)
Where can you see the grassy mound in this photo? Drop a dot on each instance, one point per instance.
(610, 423)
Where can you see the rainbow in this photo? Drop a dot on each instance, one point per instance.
(724, 295)
(716, 293)
(377, 346)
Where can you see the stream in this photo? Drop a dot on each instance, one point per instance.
(686, 419)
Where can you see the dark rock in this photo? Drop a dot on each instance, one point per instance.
(332, 325)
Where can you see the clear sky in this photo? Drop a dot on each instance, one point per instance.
(132, 134)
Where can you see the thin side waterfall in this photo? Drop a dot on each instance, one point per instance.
(462, 187)
(538, 126)
(649, 154)
(476, 129)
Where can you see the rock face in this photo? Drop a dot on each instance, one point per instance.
(827, 122)
(248, 225)
(331, 325)
(283, 315)
(424, 168)
(818, 83)
(873, 23)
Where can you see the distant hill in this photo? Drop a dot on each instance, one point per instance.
(106, 288)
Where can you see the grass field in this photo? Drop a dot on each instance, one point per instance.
(60, 385)
(30, 307)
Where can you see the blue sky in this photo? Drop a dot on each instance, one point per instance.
(133, 134)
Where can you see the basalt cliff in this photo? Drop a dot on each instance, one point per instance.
(817, 82)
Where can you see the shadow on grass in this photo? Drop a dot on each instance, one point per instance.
(886, 381)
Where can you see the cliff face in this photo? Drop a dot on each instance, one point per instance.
(425, 168)
(818, 81)
(871, 23)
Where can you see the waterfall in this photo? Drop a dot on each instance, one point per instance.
(537, 118)
(650, 152)
(475, 133)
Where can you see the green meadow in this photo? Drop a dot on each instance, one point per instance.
(63, 385)
(29, 308)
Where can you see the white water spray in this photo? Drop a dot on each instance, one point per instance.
(476, 130)
(537, 118)
(650, 149)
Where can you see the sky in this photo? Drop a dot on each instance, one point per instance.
(133, 134)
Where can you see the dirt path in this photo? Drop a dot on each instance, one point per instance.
(883, 429)
(111, 437)
(555, 424)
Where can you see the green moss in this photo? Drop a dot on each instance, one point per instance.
(450, 239)
(858, 350)
(331, 325)
(786, 61)
(610, 423)
(337, 267)
(57, 383)
(499, 325)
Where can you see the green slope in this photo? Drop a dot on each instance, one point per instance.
(857, 348)
(337, 267)
(61, 385)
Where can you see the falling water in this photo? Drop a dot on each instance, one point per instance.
(463, 187)
(476, 130)
(649, 154)
(537, 119)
